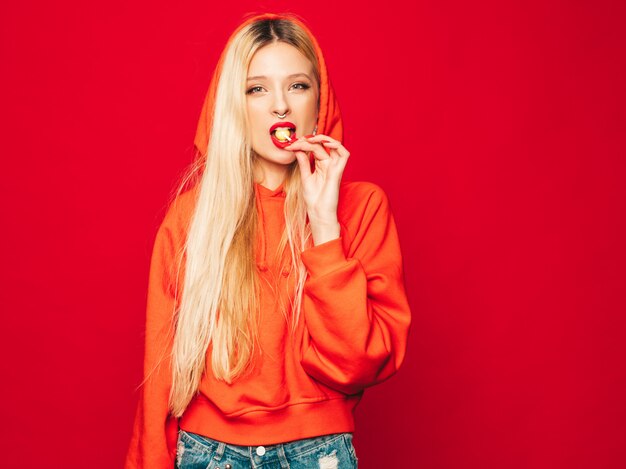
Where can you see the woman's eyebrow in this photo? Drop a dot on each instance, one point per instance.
(293, 75)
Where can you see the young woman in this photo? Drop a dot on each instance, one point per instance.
(276, 289)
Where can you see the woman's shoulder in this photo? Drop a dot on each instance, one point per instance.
(362, 205)
(364, 214)
(179, 210)
(361, 194)
(367, 186)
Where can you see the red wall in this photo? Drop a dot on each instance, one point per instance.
(497, 130)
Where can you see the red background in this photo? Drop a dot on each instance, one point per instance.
(497, 130)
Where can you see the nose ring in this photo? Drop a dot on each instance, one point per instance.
(281, 116)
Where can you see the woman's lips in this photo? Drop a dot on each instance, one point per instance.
(294, 137)
(283, 125)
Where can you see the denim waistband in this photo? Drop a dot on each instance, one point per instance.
(270, 452)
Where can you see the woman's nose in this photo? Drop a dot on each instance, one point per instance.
(280, 107)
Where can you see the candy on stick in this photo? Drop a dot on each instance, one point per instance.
(283, 134)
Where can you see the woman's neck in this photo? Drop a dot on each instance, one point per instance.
(270, 178)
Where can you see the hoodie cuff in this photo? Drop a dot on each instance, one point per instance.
(324, 258)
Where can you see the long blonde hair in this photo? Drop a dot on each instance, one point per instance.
(219, 298)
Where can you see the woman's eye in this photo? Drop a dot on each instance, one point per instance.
(301, 86)
(259, 89)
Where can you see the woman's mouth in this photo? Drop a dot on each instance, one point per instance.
(283, 134)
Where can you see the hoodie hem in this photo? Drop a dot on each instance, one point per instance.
(267, 427)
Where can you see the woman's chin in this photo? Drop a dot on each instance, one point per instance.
(277, 156)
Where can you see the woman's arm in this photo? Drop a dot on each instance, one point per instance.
(155, 431)
(357, 315)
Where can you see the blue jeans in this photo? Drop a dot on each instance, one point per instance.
(323, 452)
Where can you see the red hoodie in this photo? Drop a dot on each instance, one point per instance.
(352, 332)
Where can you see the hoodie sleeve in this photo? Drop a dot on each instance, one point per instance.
(155, 431)
(356, 311)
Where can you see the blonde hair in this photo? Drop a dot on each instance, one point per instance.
(219, 298)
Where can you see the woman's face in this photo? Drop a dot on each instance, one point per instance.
(281, 82)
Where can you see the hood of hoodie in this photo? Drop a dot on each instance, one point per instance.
(329, 120)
